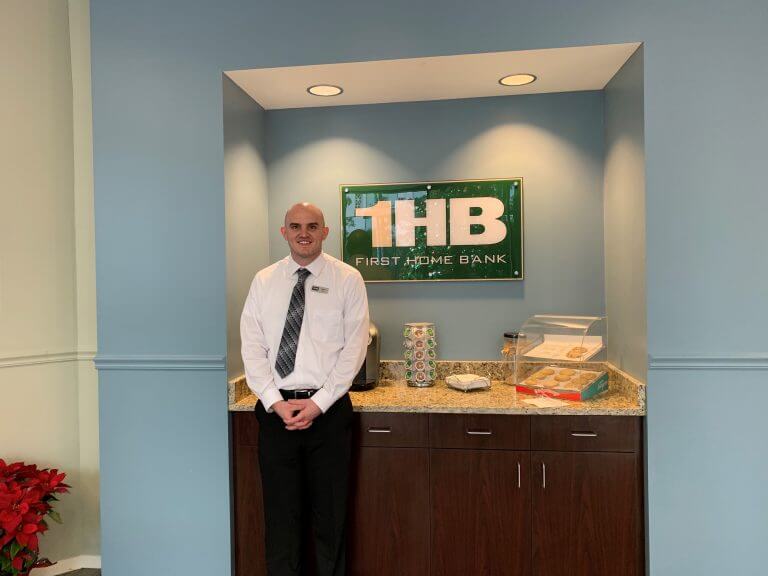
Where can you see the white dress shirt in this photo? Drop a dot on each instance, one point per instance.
(334, 333)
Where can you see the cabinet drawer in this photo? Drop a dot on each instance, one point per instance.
(492, 431)
(586, 433)
(391, 429)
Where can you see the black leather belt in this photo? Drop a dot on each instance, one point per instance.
(298, 394)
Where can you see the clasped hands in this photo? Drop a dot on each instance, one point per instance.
(297, 414)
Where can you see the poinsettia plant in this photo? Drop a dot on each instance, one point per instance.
(26, 498)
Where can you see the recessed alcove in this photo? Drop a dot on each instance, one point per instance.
(575, 136)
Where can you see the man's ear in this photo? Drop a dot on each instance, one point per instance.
(282, 231)
(325, 232)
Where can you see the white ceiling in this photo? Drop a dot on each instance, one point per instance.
(435, 78)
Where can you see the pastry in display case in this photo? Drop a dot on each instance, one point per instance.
(564, 383)
(557, 356)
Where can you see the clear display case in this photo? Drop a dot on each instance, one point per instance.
(556, 355)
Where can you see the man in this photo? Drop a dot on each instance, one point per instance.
(304, 333)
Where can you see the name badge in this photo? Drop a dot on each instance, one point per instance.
(320, 289)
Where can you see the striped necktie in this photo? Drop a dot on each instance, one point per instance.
(289, 343)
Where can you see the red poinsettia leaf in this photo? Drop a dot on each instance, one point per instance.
(7, 515)
(22, 538)
(29, 528)
(17, 563)
(33, 543)
(11, 524)
(7, 537)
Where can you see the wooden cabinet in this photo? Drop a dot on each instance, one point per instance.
(587, 517)
(481, 512)
(587, 496)
(388, 529)
(474, 494)
(248, 507)
(480, 489)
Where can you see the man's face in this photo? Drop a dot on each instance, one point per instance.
(304, 231)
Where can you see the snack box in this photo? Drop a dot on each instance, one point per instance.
(564, 383)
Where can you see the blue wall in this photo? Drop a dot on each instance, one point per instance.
(624, 194)
(158, 162)
(554, 141)
(245, 176)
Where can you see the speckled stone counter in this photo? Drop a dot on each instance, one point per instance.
(625, 395)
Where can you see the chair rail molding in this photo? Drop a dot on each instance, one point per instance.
(757, 361)
(34, 357)
(160, 362)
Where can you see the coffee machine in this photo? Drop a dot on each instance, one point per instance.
(368, 376)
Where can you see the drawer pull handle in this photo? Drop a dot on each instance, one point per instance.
(584, 434)
(479, 432)
(519, 483)
(543, 475)
(380, 430)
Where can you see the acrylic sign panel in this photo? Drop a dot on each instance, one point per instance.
(458, 230)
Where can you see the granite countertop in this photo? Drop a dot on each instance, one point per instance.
(625, 395)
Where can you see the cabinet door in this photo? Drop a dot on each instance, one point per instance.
(481, 513)
(587, 514)
(388, 531)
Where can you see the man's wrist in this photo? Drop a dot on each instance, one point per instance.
(322, 399)
(269, 397)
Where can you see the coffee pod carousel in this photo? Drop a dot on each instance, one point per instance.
(420, 347)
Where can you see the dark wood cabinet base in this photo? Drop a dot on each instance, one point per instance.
(473, 495)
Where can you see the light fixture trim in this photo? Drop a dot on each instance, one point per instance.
(518, 79)
(330, 89)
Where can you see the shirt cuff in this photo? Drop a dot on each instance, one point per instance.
(269, 397)
(323, 399)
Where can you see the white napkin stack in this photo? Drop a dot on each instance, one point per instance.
(467, 382)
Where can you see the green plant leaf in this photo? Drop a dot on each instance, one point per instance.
(14, 549)
(55, 516)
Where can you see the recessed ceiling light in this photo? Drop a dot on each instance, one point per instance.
(517, 79)
(324, 90)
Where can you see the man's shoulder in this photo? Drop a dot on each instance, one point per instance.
(265, 274)
(342, 269)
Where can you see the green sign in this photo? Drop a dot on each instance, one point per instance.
(461, 230)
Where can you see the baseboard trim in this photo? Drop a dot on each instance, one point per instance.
(735, 362)
(69, 564)
(146, 362)
(45, 357)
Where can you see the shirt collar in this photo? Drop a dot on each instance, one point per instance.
(315, 267)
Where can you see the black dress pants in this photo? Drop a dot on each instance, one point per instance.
(305, 477)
